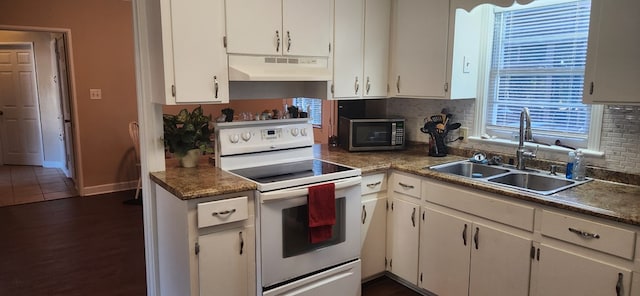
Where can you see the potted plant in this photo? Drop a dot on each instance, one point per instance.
(187, 135)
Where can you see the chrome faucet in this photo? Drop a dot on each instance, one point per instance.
(523, 154)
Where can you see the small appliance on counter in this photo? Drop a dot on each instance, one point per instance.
(371, 134)
(438, 127)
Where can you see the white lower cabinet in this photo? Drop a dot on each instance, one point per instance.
(373, 231)
(206, 246)
(223, 265)
(562, 273)
(461, 257)
(373, 236)
(403, 239)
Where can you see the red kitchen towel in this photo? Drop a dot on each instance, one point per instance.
(321, 203)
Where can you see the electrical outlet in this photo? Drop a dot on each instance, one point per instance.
(464, 132)
(95, 94)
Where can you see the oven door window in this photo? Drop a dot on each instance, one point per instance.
(295, 230)
(371, 134)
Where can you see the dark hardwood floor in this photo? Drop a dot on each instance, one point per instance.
(75, 246)
(88, 246)
(384, 286)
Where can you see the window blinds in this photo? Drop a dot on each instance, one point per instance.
(538, 61)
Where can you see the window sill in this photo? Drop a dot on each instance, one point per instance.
(532, 146)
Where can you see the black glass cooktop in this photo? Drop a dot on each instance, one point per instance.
(290, 171)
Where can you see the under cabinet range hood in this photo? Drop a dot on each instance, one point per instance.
(278, 68)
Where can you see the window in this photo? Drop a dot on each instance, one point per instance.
(313, 107)
(538, 59)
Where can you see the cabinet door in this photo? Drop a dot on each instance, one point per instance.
(500, 262)
(222, 263)
(377, 19)
(419, 48)
(254, 27)
(199, 59)
(613, 68)
(307, 27)
(373, 236)
(444, 253)
(404, 239)
(564, 273)
(347, 54)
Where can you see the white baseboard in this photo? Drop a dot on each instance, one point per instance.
(108, 188)
(52, 164)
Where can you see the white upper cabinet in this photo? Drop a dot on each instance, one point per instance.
(192, 52)
(419, 32)
(361, 49)
(279, 27)
(348, 49)
(377, 18)
(613, 69)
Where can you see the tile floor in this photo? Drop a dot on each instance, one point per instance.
(27, 184)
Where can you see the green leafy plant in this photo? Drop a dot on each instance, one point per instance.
(186, 131)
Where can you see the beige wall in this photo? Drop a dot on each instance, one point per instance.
(102, 47)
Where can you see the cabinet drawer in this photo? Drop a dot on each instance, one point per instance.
(374, 183)
(222, 211)
(479, 204)
(406, 185)
(608, 239)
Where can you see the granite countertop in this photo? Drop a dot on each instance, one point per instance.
(609, 200)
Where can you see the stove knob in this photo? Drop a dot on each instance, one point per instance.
(303, 132)
(234, 138)
(246, 136)
(294, 131)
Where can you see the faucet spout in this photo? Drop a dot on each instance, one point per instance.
(525, 135)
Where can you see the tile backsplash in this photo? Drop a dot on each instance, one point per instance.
(620, 139)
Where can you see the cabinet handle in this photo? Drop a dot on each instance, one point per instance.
(367, 85)
(405, 185)
(223, 212)
(619, 285)
(277, 41)
(398, 83)
(413, 217)
(241, 243)
(364, 214)
(288, 41)
(372, 185)
(584, 233)
(591, 88)
(356, 86)
(464, 235)
(475, 237)
(215, 86)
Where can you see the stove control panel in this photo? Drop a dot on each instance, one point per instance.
(259, 136)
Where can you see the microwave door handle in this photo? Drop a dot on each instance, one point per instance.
(303, 191)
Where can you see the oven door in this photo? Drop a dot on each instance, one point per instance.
(286, 252)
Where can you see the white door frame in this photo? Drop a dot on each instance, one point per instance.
(77, 151)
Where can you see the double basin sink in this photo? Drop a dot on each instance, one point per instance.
(508, 176)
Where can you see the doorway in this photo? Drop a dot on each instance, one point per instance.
(51, 91)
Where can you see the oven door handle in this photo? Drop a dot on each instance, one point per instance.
(304, 190)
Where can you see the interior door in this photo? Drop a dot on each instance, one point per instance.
(20, 120)
(65, 99)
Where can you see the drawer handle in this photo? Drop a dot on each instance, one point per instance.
(223, 212)
(584, 233)
(372, 185)
(405, 185)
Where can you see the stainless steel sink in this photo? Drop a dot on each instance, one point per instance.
(469, 169)
(508, 176)
(535, 182)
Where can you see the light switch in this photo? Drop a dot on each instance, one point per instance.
(466, 65)
(95, 94)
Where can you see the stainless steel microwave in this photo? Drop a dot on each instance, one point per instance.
(371, 134)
